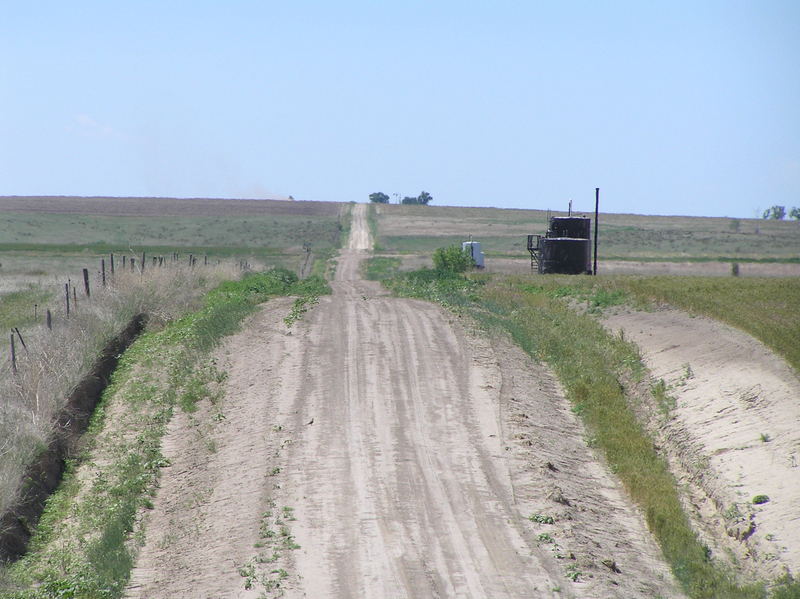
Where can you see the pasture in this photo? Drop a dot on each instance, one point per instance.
(623, 237)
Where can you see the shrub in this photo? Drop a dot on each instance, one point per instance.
(452, 259)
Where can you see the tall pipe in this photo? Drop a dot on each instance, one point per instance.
(596, 213)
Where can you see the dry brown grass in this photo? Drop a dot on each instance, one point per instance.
(56, 360)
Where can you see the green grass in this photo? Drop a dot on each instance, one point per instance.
(593, 366)
(766, 308)
(17, 307)
(251, 231)
(85, 541)
(379, 268)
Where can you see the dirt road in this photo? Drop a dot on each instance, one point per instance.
(381, 449)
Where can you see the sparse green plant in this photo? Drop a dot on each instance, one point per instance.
(765, 438)
(301, 306)
(541, 519)
(759, 499)
(545, 538)
(733, 512)
(663, 399)
(573, 572)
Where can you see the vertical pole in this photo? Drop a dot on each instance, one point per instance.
(596, 215)
(13, 355)
(103, 270)
(123, 262)
(86, 282)
(143, 263)
(66, 295)
(112, 264)
(205, 260)
(74, 299)
(133, 264)
(35, 311)
(49, 320)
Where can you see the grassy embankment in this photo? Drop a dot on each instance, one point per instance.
(85, 543)
(53, 362)
(593, 365)
(766, 308)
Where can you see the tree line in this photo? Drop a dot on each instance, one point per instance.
(424, 198)
(779, 213)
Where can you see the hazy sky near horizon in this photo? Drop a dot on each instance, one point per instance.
(670, 107)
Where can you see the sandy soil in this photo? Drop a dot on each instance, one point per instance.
(382, 449)
(733, 435)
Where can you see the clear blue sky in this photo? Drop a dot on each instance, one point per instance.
(674, 107)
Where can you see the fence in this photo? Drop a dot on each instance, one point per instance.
(104, 277)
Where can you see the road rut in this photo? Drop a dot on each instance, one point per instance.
(382, 449)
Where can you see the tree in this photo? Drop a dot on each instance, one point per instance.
(378, 198)
(775, 213)
(795, 213)
(422, 199)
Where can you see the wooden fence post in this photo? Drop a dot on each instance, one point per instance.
(123, 262)
(103, 270)
(86, 282)
(21, 340)
(49, 320)
(66, 294)
(74, 299)
(13, 355)
(133, 264)
(143, 263)
(112, 263)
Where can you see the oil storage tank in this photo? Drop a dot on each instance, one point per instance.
(565, 248)
(565, 255)
(576, 227)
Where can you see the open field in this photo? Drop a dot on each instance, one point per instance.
(44, 241)
(50, 235)
(385, 446)
(622, 236)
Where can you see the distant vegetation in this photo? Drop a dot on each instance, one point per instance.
(779, 213)
(424, 198)
(503, 233)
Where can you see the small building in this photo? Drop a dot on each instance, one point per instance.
(473, 248)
